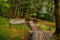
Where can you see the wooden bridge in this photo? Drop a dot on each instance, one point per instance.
(39, 34)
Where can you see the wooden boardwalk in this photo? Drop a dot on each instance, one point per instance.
(39, 34)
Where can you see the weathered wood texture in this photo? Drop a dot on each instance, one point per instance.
(17, 21)
(39, 34)
(33, 25)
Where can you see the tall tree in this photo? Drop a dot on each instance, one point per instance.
(57, 15)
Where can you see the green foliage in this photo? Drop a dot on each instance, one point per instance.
(4, 34)
(37, 9)
(21, 26)
(47, 16)
(14, 33)
(4, 7)
(4, 21)
(46, 28)
(17, 38)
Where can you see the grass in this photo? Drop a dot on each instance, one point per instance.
(17, 31)
(47, 28)
(4, 22)
(21, 26)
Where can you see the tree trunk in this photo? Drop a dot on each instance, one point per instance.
(57, 15)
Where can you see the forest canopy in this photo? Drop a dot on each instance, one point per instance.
(42, 9)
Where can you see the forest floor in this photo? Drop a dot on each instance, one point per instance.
(18, 31)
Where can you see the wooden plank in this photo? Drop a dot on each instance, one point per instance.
(48, 36)
(39, 35)
(33, 25)
(35, 35)
(17, 21)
